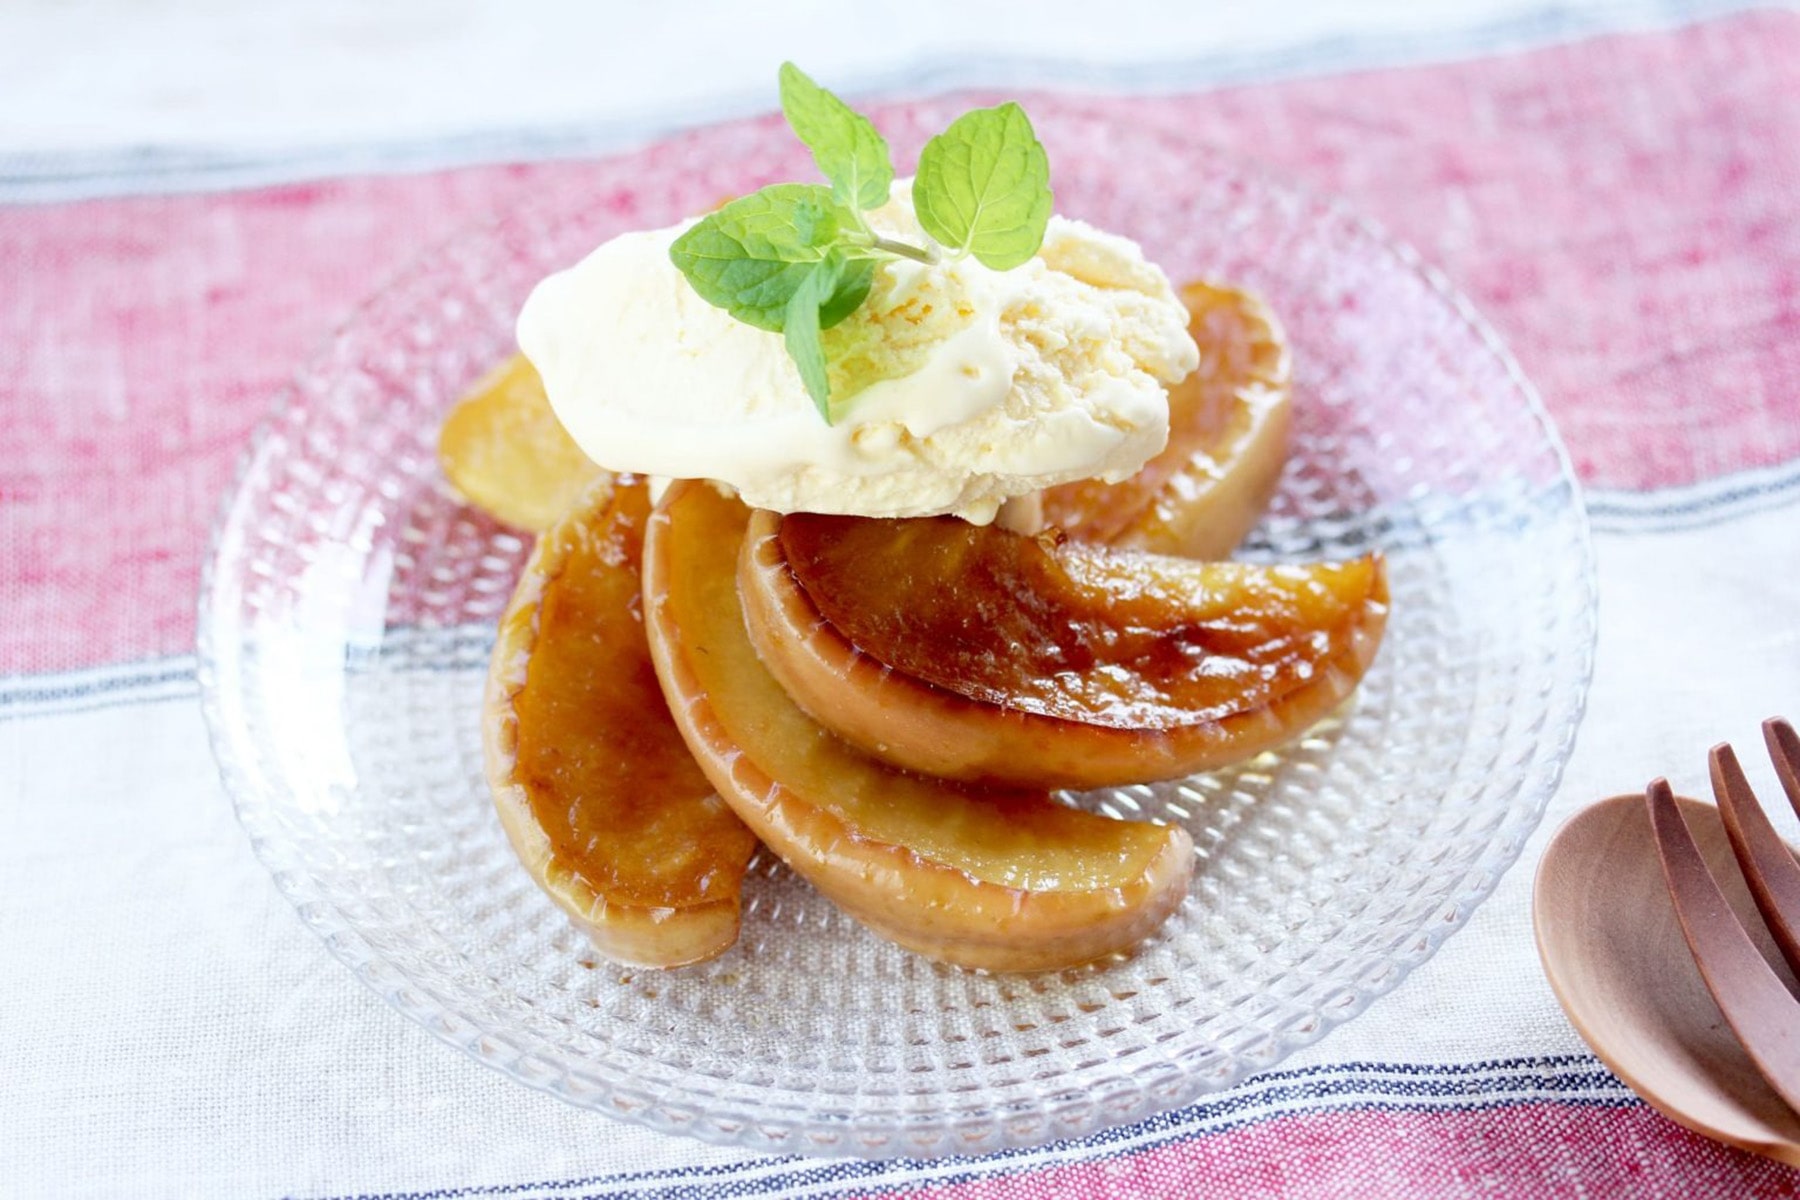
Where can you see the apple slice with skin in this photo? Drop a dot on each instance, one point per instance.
(979, 654)
(505, 452)
(1006, 880)
(593, 784)
(1228, 424)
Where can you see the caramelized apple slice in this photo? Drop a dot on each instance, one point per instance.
(1228, 426)
(988, 656)
(594, 786)
(1005, 879)
(504, 450)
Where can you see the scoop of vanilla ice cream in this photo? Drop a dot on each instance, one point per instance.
(954, 387)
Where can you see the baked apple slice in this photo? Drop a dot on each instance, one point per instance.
(1228, 424)
(594, 786)
(1006, 880)
(979, 654)
(505, 452)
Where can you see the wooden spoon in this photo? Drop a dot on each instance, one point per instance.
(1619, 965)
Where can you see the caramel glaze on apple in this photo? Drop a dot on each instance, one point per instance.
(503, 449)
(978, 654)
(1003, 879)
(1228, 425)
(594, 785)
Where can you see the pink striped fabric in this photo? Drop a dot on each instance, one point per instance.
(1621, 209)
(1524, 1150)
(1624, 210)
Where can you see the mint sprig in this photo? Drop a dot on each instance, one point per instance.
(797, 258)
(848, 149)
(751, 256)
(832, 291)
(983, 187)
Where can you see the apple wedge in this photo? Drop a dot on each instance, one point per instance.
(978, 654)
(1005, 880)
(1228, 425)
(505, 452)
(594, 785)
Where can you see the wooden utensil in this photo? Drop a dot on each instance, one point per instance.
(1616, 958)
(1769, 867)
(1757, 1003)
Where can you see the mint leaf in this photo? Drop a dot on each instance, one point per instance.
(834, 289)
(803, 326)
(849, 290)
(844, 144)
(984, 187)
(751, 256)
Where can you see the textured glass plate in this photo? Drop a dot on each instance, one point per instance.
(350, 601)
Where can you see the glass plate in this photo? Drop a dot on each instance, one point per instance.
(350, 601)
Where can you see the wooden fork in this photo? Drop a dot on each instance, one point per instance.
(1756, 1001)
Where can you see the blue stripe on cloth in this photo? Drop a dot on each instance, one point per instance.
(1697, 505)
(47, 176)
(1379, 1087)
(29, 693)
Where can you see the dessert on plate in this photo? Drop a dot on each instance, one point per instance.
(592, 781)
(981, 654)
(944, 488)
